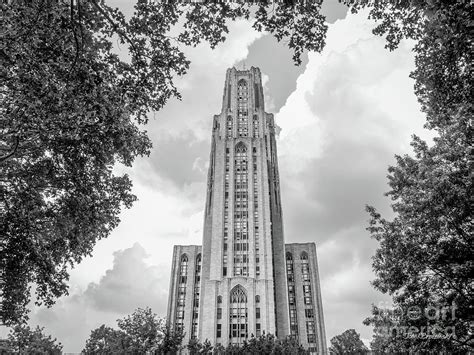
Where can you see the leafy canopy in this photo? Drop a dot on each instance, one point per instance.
(72, 109)
(24, 340)
(347, 343)
(262, 344)
(425, 255)
(139, 333)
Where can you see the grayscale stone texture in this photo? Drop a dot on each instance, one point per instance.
(256, 210)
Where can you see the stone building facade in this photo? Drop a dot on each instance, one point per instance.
(244, 280)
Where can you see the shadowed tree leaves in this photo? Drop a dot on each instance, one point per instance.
(24, 340)
(300, 25)
(347, 343)
(139, 333)
(426, 251)
(106, 340)
(443, 52)
(425, 256)
(263, 344)
(72, 109)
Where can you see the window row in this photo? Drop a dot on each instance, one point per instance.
(242, 122)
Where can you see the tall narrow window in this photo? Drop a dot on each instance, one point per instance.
(197, 290)
(225, 253)
(308, 299)
(257, 101)
(291, 296)
(242, 108)
(238, 315)
(180, 303)
(229, 126)
(255, 126)
(229, 92)
(241, 243)
(256, 231)
(211, 179)
(311, 332)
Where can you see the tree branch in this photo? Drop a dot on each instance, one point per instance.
(9, 155)
(115, 26)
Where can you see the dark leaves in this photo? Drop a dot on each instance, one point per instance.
(72, 109)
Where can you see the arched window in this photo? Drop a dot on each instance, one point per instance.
(242, 108)
(238, 315)
(257, 299)
(198, 264)
(305, 266)
(289, 256)
(183, 269)
(219, 299)
(241, 243)
(180, 302)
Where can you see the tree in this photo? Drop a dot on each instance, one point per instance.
(263, 344)
(105, 340)
(72, 109)
(425, 255)
(171, 342)
(347, 343)
(24, 340)
(143, 329)
(194, 346)
(139, 333)
(207, 347)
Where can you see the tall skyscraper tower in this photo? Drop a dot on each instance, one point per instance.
(244, 280)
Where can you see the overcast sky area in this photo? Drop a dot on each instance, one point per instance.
(343, 115)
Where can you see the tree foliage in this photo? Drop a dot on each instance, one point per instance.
(24, 340)
(426, 253)
(347, 343)
(139, 333)
(72, 109)
(263, 344)
(106, 340)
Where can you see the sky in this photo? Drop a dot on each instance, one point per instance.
(344, 114)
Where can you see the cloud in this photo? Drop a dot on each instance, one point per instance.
(129, 284)
(170, 186)
(278, 73)
(353, 109)
(201, 88)
(181, 131)
(180, 159)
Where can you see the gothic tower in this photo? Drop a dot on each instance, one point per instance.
(238, 283)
